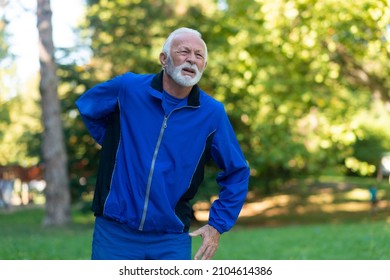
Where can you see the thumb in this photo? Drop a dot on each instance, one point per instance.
(196, 232)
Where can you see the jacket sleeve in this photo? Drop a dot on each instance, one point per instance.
(96, 105)
(233, 178)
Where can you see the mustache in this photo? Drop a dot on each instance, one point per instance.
(188, 65)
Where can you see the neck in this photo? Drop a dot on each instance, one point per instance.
(174, 89)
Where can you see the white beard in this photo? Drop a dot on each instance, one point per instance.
(178, 77)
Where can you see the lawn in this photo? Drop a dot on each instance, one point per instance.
(326, 223)
(23, 237)
(360, 241)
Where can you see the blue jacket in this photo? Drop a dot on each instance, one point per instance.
(151, 165)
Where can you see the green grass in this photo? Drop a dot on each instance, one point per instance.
(327, 219)
(23, 237)
(364, 241)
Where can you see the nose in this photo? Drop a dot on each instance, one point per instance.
(191, 57)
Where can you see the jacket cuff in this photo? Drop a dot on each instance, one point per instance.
(218, 228)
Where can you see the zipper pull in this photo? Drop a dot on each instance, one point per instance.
(165, 121)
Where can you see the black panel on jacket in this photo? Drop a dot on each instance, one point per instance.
(183, 208)
(107, 162)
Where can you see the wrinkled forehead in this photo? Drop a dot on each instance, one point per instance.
(190, 41)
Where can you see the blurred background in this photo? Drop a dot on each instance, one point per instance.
(305, 83)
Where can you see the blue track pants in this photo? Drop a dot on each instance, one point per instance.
(116, 241)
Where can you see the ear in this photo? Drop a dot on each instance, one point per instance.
(163, 59)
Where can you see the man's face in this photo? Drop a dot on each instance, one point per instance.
(187, 60)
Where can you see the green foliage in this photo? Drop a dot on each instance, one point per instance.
(20, 126)
(294, 75)
(372, 142)
(4, 114)
(21, 147)
(4, 47)
(20, 114)
(305, 83)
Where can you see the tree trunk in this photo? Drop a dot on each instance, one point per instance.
(53, 147)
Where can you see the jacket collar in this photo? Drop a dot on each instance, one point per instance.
(193, 97)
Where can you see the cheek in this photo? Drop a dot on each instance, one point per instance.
(201, 66)
(177, 61)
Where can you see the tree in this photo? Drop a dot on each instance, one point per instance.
(53, 145)
(4, 53)
(303, 72)
(298, 78)
(20, 125)
(20, 113)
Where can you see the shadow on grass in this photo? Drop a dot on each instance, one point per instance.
(317, 203)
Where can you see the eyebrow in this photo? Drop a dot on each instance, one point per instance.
(185, 48)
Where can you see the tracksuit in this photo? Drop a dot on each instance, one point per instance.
(152, 160)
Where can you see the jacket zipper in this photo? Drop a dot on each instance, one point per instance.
(163, 127)
(149, 184)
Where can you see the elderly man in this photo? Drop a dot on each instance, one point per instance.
(157, 131)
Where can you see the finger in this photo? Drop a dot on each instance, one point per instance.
(209, 253)
(197, 232)
(200, 252)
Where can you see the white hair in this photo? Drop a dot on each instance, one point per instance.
(183, 30)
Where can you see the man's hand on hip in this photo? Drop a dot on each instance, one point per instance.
(210, 237)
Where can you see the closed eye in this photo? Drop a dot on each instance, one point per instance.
(184, 52)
